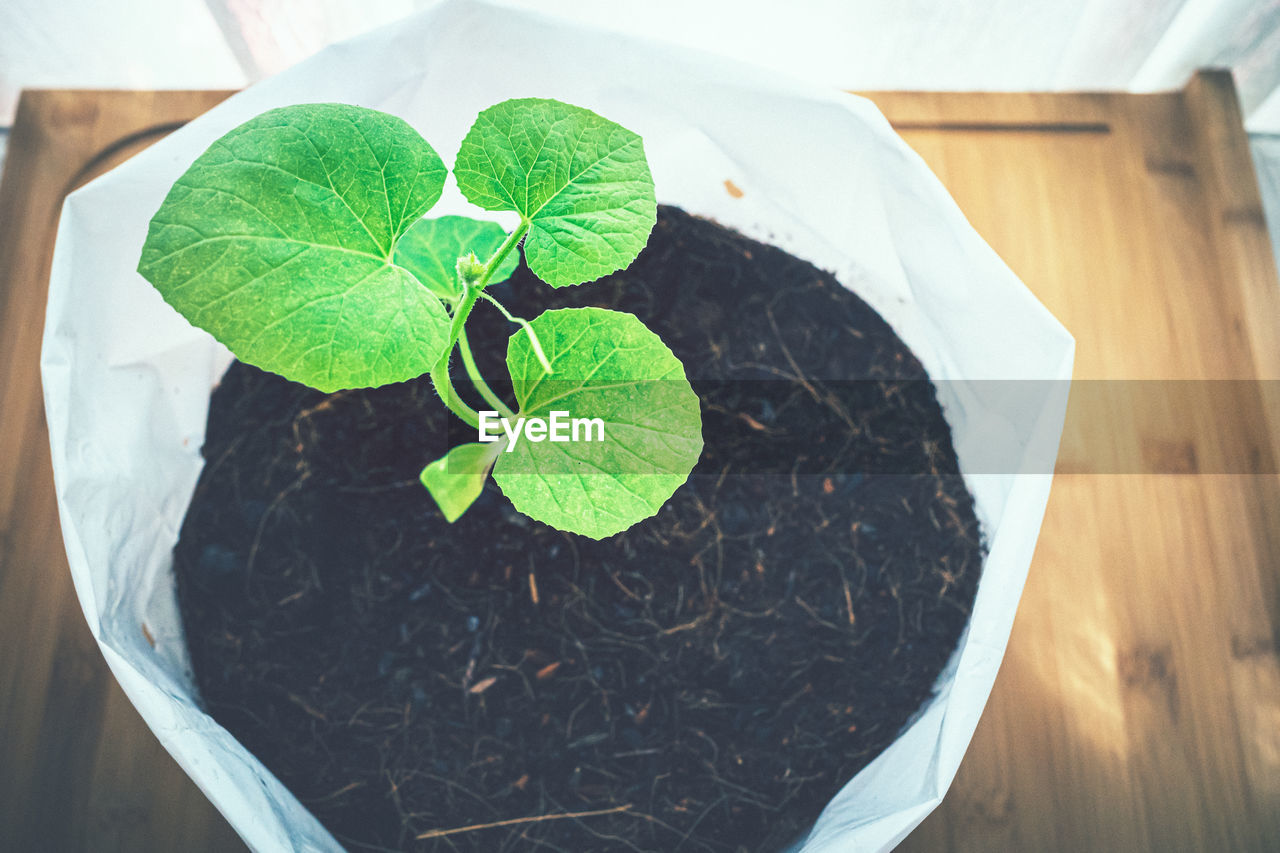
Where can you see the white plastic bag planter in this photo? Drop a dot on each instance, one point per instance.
(127, 380)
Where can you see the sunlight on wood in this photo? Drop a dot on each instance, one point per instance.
(1138, 703)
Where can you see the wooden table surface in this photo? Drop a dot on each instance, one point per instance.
(1138, 707)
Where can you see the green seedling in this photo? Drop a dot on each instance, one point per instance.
(298, 241)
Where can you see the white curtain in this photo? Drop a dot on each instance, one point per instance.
(1139, 45)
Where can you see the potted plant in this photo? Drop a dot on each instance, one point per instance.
(298, 241)
(571, 676)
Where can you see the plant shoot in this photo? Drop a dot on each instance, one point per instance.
(299, 241)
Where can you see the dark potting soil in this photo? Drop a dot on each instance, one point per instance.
(707, 680)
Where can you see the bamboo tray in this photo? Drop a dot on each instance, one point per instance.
(1138, 707)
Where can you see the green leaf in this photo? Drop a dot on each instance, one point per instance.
(607, 365)
(278, 241)
(579, 180)
(456, 479)
(431, 248)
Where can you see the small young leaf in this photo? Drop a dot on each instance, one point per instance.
(431, 248)
(581, 182)
(456, 479)
(607, 365)
(278, 242)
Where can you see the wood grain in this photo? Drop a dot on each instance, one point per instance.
(79, 770)
(1138, 707)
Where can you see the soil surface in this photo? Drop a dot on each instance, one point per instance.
(705, 681)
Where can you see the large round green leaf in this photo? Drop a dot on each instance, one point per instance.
(579, 180)
(606, 365)
(278, 241)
